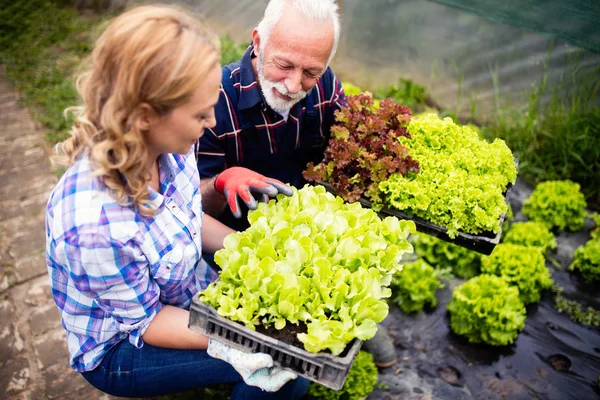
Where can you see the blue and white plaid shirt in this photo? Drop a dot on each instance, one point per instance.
(112, 269)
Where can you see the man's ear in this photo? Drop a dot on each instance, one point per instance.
(256, 41)
(146, 116)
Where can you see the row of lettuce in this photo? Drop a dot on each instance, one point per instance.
(490, 306)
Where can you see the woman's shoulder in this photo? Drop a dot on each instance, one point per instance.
(81, 203)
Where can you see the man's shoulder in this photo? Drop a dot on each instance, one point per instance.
(232, 70)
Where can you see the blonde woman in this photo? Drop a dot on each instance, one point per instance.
(125, 229)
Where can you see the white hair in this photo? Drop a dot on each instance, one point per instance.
(318, 10)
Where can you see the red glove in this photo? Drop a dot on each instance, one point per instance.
(238, 181)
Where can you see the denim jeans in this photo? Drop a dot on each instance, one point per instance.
(127, 371)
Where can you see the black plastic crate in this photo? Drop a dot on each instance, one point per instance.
(483, 243)
(328, 370)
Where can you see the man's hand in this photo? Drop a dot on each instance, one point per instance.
(256, 369)
(237, 182)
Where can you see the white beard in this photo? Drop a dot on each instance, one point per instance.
(266, 86)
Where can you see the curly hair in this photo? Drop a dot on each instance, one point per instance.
(157, 55)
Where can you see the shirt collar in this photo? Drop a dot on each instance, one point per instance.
(250, 93)
(167, 170)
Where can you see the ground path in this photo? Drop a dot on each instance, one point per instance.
(33, 352)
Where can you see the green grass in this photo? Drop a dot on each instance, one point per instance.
(41, 46)
(230, 50)
(557, 140)
(404, 92)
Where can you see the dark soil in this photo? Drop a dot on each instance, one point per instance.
(287, 335)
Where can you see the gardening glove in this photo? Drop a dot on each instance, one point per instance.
(238, 181)
(256, 369)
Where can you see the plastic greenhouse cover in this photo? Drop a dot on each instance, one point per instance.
(463, 59)
(574, 21)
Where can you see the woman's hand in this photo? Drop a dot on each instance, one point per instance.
(255, 368)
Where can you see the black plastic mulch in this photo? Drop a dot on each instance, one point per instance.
(552, 358)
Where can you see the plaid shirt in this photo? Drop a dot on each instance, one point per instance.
(250, 134)
(112, 269)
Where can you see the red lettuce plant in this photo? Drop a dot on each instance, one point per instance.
(364, 149)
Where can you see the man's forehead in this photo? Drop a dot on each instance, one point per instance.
(294, 45)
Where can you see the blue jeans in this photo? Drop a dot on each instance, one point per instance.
(127, 371)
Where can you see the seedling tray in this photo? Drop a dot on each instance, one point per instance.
(483, 243)
(328, 370)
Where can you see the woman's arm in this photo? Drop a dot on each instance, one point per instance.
(213, 233)
(169, 329)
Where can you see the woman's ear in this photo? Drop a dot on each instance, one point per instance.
(146, 116)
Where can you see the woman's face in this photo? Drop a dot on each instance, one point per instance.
(178, 130)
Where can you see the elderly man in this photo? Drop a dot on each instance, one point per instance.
(274, 116)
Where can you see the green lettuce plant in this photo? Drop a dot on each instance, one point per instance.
(461, 181)
(596, 231)
(487, 309)
(351, 89)
(313, 259)
(531, 233)
(521, 266)
(587, 260)
(464, 263)
(360, 382)
(415, 286)
(559, 205)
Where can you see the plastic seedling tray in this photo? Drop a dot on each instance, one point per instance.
(328, 370)
(483, 243)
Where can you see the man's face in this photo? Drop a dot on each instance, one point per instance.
(293, 60)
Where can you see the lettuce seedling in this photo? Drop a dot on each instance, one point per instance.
(531, 233)
(313, 259)
(438, 253)
(486, 309)
(587, 260)
(360, 382)
(363, 149)
(521, 266)
(559, 205)
(415, 286)
(461, 180)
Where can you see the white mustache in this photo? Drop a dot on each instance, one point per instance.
(281, 88)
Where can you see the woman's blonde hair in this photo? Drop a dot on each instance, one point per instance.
(152, 54)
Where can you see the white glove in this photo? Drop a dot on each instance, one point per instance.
(256, 369)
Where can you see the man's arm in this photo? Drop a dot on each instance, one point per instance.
(213, 202)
